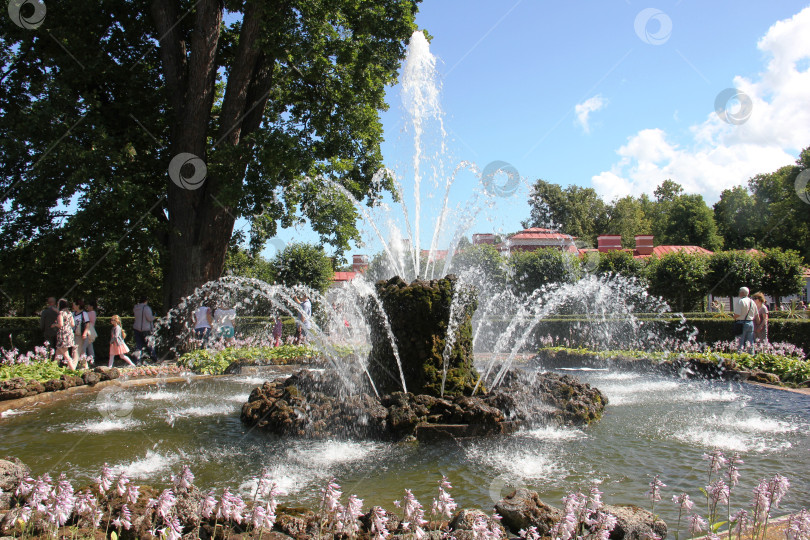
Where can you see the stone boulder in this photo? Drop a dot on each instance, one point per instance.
(634, 523)
(764, 377)
(318, 406)
(12, 472)
(463, 522)
(522, 509)
(91, 378)
(14, 388)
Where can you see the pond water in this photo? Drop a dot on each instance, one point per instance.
(653, 425)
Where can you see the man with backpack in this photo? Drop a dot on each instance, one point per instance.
(143, 328)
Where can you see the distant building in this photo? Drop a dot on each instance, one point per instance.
(534, 239)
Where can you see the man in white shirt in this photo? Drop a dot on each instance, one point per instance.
(143, 329)
(746, 312)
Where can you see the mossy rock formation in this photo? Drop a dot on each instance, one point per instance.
(420, 316)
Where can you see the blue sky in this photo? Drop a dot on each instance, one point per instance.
(572, 93)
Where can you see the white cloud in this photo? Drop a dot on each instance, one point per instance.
(723, 155)
(584, 109)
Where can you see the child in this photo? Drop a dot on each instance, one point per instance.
(117, 345)
(277, 328)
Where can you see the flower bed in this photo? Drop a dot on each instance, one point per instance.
(787, 362)
(214, 361)
(44, 508)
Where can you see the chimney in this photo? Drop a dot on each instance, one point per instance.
(483, 238)
(360, 263)
(609, 242)
(644, 244)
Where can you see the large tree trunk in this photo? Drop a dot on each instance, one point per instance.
(201, 222)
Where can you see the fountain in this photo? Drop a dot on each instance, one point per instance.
(435, 354)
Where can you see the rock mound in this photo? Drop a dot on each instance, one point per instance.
(317, 406)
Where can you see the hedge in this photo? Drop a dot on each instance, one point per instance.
(24, 333)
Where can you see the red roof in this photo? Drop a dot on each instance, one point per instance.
(660, 251)
(438, 254)
(344, 276)
(538, 233)
(807, 272)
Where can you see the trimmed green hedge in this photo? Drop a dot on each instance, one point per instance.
(24, 332)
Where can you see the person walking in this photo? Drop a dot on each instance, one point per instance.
(746, 312)
(80, 320)
(278, 328)
(224, 320)
(47, 322)
(203, 319)
(761, 321)
(305, 314)
(118, 346)
(65, 342)
(89, 334)
(143, 326)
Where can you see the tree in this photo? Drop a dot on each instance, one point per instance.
(737, 220)
(482, 259)
(679, 278)
(628, 217)
(303, 264)
(534, 269)
(785, 215)
(251, 103)
(620, 262)
(783, 273)
(730, 270)
(574, 210)
(241, 262)
(687, 220)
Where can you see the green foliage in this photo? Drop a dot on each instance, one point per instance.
(574, 210)
(621, 262)
(94, 113)
(241, 262)
(730, 270)
(628, 217)
(785, 217)
(35, 371)
(209, 362)
(686, 220)
(306, 264)
(790, 369)
(738, 221)
(678, 278)
(533, 269)
(783, 273)
(482, 259)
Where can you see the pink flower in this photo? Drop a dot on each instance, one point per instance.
(184, 480)
(655, 489)
(684, 503)
(378, 528)
(696, 524)
(105, 480)
(123, 519)
(122, 484)
(352, 511)
(444, 505)
(208, 505)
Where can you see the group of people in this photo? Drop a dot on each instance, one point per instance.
(215, 320)
(69, 328)
(752, 312)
